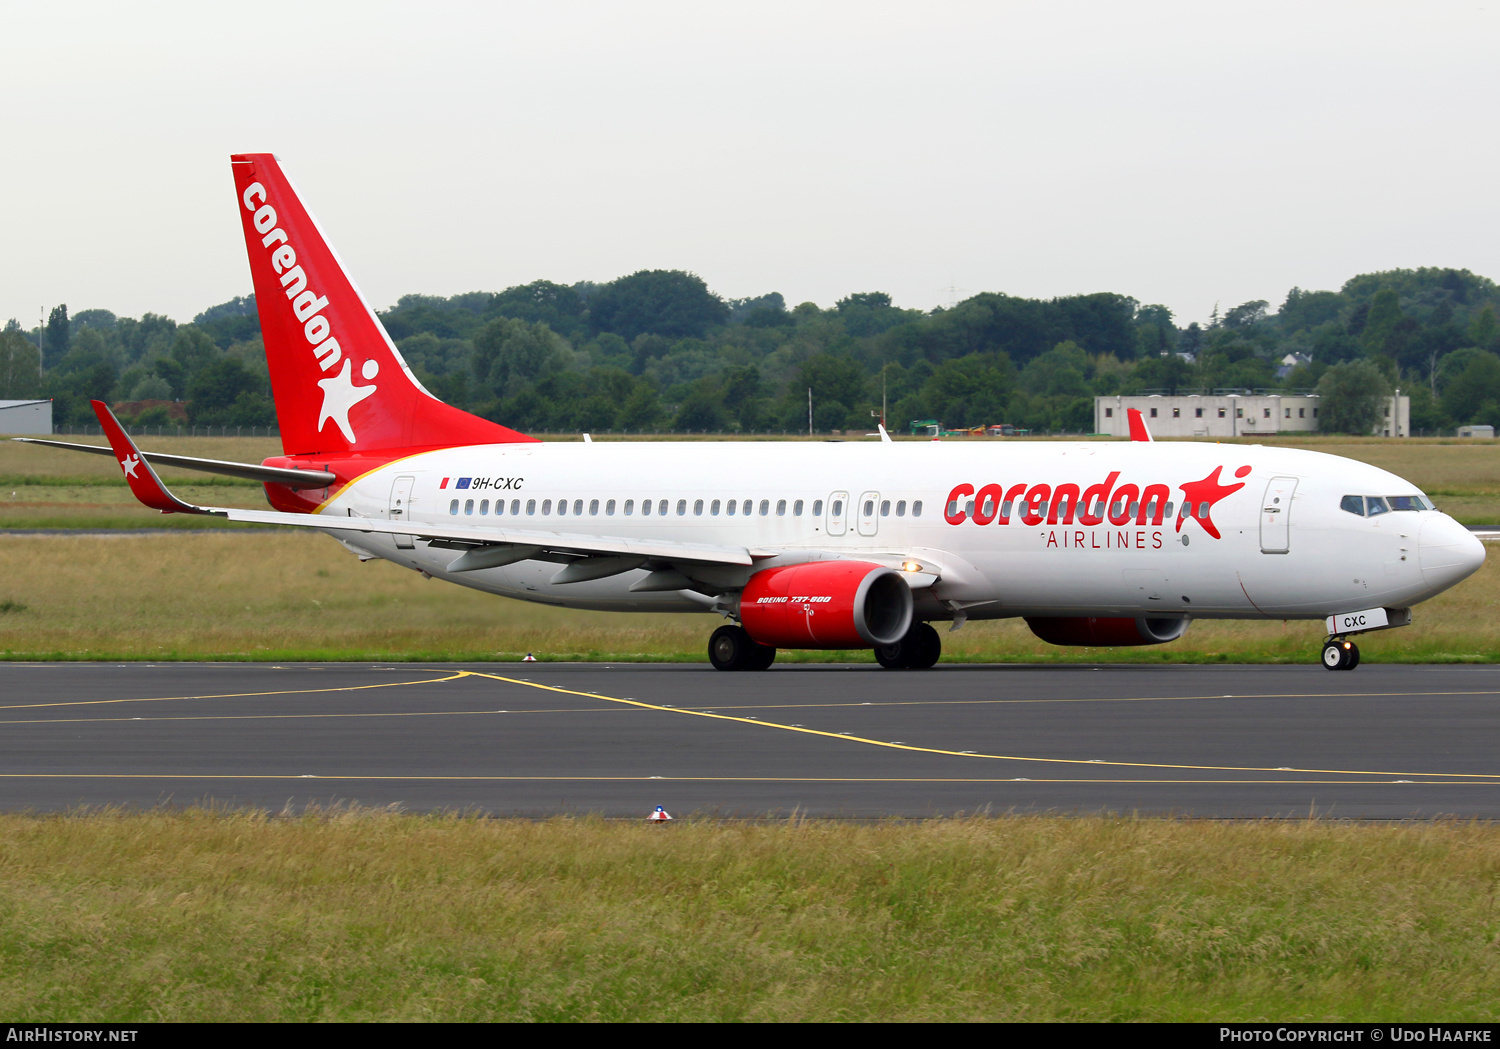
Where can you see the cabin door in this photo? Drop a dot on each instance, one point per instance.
(400, 509)
(1276, 514)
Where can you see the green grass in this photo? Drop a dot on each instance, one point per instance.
(374, 916)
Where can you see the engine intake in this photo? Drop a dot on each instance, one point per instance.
(827, 604)
(1107, 630)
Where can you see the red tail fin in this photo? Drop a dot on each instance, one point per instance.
(340, 384)
(1138, 431)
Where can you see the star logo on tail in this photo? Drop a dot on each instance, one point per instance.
(130, 464)
(339, 395)
(1201, 496)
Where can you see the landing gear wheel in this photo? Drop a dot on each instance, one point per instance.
(728, 648)
(1333, 655)
(731, 648)
(760, 658)
(892, 656)
(917, 650)
(1340, 654)
(928, 646)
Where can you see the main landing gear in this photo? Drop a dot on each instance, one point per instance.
(917, 650)
(1340, 654)
(731, 648)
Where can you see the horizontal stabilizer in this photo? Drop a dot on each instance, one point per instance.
(247, 471)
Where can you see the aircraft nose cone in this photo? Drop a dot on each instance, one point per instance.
(1448, 551)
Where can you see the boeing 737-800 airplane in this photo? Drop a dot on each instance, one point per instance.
(799, 545)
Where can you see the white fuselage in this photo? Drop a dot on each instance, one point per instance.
(1285, 549)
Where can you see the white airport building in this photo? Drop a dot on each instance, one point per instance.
(25, 417)
(1233, 414)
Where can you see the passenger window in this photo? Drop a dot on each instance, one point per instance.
(697, 508)
(1354, 504)
(797, 508)
(453, 508)
(577, 506)
(515, 506)
(869, 507)
(729, 508)
(645, 508)
(765, 507)
(468, 506)
(681, 507)
(546, 507)
(900, 507)
(629, 507)
(817, 508)
(562, 507)
(781, 508)
(885, 508)
(609, 508)
(530, 507)
(713, 508)
(593, 508)
(484, 508)
(916, 508)
(661, 508)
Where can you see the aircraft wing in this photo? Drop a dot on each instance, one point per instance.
(519, 539)
(248, 471)
(486, 548)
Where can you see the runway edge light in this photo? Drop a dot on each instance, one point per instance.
(659, 816)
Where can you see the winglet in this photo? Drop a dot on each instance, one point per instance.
(144, 484)
(1138, 431)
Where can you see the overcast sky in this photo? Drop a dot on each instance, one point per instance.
(1181, 153)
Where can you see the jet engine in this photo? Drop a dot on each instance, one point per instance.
(1107, 630)
(826, 604)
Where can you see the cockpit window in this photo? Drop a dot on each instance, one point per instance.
(1374, 505)
(1409, 502)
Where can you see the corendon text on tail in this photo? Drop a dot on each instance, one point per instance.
(801, 545)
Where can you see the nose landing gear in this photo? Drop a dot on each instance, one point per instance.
(1339, 653)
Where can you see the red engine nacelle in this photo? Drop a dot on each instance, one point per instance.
(827, 604)
(1106, 630)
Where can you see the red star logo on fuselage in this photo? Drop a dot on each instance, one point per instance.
(1201, 496)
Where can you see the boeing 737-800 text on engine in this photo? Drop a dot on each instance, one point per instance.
(800, 545)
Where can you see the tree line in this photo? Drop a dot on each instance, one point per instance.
(657, 351)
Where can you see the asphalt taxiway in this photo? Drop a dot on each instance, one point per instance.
(538, 739)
